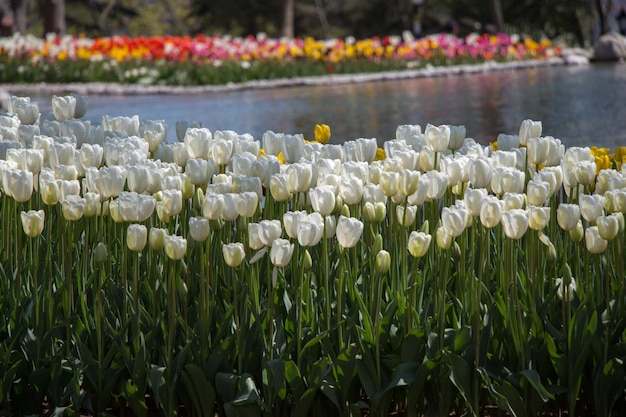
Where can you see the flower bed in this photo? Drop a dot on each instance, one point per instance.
(218, 60)
(225, 275)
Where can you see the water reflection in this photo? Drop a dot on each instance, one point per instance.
(582, 106)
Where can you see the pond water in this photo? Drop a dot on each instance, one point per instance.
(581, 105)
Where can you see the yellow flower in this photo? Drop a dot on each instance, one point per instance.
(380, 155)
(619, 156)
(281, 158)
(603, 160)
(494, 145)
(322, 133)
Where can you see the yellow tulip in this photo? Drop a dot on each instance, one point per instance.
(322, 133)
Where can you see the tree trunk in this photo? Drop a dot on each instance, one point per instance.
(20, 14)
(496, 14)
(604, 11)
(321, 13)
(288, 18)
(53, 16)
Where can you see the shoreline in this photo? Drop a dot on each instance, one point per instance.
(331, 79)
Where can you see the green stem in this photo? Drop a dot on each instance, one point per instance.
(340, 288)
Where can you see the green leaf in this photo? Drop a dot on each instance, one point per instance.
(404, 374)
(226, 385)
(460, 376)
(608, 386)
(199, 390)
(509, 399)
(274, 377)
(535, 380)
(294, 379)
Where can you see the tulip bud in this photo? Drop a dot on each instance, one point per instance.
(566, 286)
(307, 261)
(345, 210)
(444, 240)
(383, 262)
(578, 232)
(377, 246)
(188, 189)
(551, 249)
(101, 253)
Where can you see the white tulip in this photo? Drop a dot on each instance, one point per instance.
(454, 220)
(457, 137)
(349, 231)
(591, 206)
(199, 228)
(514, 223)
(491, 212)
(608, 226)
(279, 187)
(480, 170)
(473, 200)
(529, 129)
(351, 191)
(156, 238)
(175, 247)
(406, 217)
(594, 242)
(365, 150)
(198, 142)
(73, 207)
(231, 206)
(537, 192)
(63, 107)
(136, 237)
(291, 220)
(418, 243)
(299, 177)
(281, 252)
(437, 137)
(32, 222)
(310, 229)
(507, 142)
(322, 199)
(567, 216)
(248, 204)
(292, 148)
(538, 217)
(537, 150)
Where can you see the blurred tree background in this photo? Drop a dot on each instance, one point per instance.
(575, 22)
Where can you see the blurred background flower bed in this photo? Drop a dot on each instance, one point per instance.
(201, 60)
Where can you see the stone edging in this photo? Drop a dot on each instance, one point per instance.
(133, 89)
